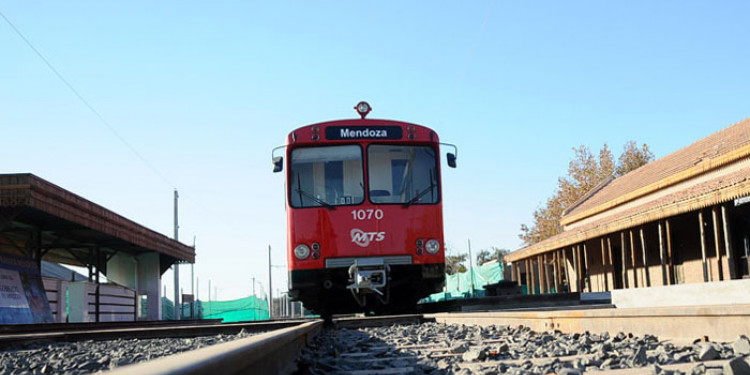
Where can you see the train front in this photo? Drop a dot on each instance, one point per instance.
(364, 215)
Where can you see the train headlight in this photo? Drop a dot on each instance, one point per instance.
(302, 251)
(432, 246)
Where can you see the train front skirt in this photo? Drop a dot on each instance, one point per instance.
(368, 285)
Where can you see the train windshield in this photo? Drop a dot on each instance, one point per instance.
(402, 174)
(326, 176)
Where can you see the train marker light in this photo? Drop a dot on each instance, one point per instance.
(432, 246)
(302, 251)
(363, 108)
(315, 133)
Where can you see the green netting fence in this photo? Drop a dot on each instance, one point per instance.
(237, 310)
(459, 285)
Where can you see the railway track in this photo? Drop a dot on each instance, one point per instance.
(555, 341)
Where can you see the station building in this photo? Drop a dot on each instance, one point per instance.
(40, 221)
(683, 219)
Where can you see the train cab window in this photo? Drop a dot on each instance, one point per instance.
(402, 174)
(326, 176)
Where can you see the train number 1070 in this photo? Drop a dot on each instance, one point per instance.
(367, 214)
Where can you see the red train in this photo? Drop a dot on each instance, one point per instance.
(364, 214)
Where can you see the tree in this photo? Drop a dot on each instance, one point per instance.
(493, 253)
(585, 172)
(454, 264)
(633, 157)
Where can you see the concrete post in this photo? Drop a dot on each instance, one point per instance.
(149, 284)
(78, 294)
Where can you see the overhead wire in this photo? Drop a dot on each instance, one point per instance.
(85, 102)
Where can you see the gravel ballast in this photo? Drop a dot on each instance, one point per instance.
(84, 357)
(436, 348)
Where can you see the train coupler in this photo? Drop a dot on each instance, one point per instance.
(368, 275)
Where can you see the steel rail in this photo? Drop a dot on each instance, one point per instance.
(144, 332)
(267, 353)
(67, 327)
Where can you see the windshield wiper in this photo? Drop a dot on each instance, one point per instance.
(420, 195)
(315, 199)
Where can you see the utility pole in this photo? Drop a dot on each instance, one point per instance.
(270, 287)
(177, 264)
(471, 269)
(192, 286)
(192, 275)
(253, 286)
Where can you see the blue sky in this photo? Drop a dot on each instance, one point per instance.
(203, 93)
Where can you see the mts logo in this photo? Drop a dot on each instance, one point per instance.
(364, 239)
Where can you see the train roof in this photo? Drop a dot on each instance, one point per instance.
(362, 130)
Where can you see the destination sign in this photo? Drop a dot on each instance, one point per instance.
(364, 132)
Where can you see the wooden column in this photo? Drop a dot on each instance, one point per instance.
(556, 270)
(539, 266)
(662, 257)
(534, 275)
(632, 256)
(566, 273)
(517, 271)
(604, 264)
(547, 284)
(579, 269)
(670, 269)
(574, 281)
(645, 258)
(728, 243)
(529, 276)
(624, 261)
(611, 262)
(715, 219)
(586, 273)
(703, 246)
